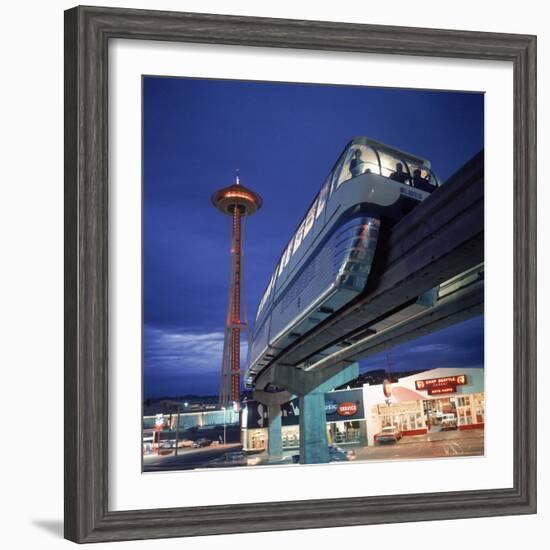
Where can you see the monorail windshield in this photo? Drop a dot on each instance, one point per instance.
(361, 156)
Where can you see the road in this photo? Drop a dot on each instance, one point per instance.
(187, 459)
(453, 443)
(435, 445)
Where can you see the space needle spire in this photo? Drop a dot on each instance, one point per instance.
(238, 202)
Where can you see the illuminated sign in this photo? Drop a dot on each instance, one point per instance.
(439, 386)
(439, 391)
(347, 409)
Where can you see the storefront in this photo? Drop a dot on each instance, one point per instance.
(408, 417)
(345, 421)
(429, 401)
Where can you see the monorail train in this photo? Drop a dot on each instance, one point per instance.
(328, 259)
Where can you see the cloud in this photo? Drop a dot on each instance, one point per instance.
(181, 352)
(427, 348)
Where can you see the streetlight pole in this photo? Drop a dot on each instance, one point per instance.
(177, 430)
(224, 424)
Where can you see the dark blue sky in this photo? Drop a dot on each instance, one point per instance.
(284, 138)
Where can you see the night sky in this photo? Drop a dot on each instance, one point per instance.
(284, 139)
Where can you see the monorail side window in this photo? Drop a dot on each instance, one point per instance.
(298, 237)
(335, 176)
(360, 159)
(310, 218)
(394, 168)
(286, 257)
(264, 298)
(322, 198)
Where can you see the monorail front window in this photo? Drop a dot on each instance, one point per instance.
(422, 178)
(394, 168)
(359, 159)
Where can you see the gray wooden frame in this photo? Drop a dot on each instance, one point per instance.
(87, 34)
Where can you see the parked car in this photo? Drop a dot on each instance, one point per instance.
(202, 442)
(337, 454)
(389, 434)
(182, 443)
(449, 422)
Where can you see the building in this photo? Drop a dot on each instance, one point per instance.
(212, 424)
(345, 421)
(415, 404)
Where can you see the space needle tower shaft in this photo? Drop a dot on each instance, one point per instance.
(238, 202)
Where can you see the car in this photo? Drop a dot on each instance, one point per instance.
(336, 454)
(389, 434)
(182, 443)
(449, 422)
(202, 442)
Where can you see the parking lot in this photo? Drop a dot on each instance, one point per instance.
(450, 443)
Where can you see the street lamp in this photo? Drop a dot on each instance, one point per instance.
(177, 404)
(224, 424)
(177, 431)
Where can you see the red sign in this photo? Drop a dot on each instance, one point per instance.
(346, 409)
(439, 391)
(438, 386)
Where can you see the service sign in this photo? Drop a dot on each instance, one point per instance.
(441, 386)
(347, 409)
(346, 405)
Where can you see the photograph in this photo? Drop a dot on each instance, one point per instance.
(305, 300)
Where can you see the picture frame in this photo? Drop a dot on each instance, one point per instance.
(87, 34)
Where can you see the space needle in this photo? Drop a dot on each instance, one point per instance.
(238, 202)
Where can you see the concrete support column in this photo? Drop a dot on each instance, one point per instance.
(313, 429)
(311, 387)
(273, 402)
(275, 440)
